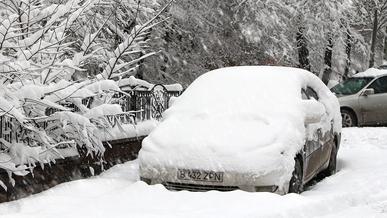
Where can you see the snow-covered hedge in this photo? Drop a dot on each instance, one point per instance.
(36, 120)
(61, 63)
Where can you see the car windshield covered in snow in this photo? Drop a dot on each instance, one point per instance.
(351, 85)
(258, 93)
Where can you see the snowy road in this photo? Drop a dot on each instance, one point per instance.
(359, 189)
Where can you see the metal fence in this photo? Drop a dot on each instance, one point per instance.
(10, 131)
(137, 105)
(146, 105)
(6, 133)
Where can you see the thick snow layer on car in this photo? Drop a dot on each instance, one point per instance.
(372, 72)
(243, 119)
(357, 190)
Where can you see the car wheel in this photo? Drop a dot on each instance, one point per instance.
(296, 185)
(332, 164)
(348, 118)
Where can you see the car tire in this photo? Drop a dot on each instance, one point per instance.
(296, 182)
(331, 169)
(349, 118)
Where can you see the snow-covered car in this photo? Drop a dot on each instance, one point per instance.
(253, 128)
(363, 98)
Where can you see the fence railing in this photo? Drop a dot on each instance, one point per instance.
(147, 104)
(137, 105)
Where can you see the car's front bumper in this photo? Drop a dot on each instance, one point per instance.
(251, 182)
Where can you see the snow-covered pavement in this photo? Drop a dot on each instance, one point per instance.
(359, 189)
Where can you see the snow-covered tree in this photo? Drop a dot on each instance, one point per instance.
(204, 35)
(199, 36)
(300, 33)
(371, 19)
(47, 50)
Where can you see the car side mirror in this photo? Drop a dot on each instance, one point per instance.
(314, 111)
(368, 92)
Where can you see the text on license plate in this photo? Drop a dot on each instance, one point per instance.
(199, 175)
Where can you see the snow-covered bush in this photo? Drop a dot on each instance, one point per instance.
(58, 60)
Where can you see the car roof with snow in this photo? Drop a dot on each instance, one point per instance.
(256, 90)
(371, 72)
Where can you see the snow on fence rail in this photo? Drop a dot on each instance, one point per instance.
(138, 105)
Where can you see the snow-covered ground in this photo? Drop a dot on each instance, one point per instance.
(359, 189)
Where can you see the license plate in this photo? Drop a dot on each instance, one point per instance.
(200, 175)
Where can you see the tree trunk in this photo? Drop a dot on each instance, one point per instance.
(348, 48)
(384, 47)
(373, 42)
(328, 60)
(303, 52)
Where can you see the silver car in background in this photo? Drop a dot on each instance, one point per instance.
(363, 98)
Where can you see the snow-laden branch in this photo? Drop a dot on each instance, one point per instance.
(127, 45)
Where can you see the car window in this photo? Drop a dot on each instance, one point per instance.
(351, 85)
(379, 85)
(308, 93)
(311, 93)
(304, 96)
